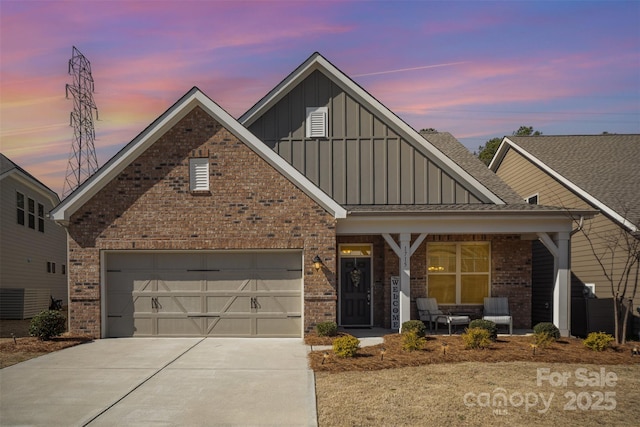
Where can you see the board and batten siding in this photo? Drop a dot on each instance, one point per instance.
(362, 161)
(527, 179)
(24, 252)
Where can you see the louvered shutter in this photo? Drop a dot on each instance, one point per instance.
(199, 174)
(316, 122)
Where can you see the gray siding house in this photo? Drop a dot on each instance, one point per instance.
(599, 172)
(318, 204)
(32, 246)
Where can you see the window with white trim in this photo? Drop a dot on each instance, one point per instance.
(316, 123)
(41, 217)
(20, 207)
(532, 200)
(199, 174)
(459, 273)
(32, 213)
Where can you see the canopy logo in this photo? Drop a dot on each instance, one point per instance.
(499, 400)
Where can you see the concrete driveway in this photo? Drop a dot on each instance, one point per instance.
(163, 381)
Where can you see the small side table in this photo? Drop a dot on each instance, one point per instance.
(453, 320)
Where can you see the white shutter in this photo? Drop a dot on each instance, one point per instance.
(316, 122)
(199, 174)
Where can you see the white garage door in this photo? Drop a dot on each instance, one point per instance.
(204, 294)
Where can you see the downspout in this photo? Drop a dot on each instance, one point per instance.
(580, 226)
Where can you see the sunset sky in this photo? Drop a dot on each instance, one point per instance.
(477, 69)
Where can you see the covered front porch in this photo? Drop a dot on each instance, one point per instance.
(393, 258)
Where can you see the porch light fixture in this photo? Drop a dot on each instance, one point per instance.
(317, 263)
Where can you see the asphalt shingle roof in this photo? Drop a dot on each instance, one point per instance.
(457, 152)
(605, 166)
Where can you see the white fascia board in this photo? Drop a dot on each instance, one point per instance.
(278, 92)
(62, 213)
(271, 157)
(318, 62)
(507, 143)
(499, 155)
(454, 224)
(34, 184)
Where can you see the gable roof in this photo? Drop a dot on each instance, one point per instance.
(317, 62)
(457, 152)
(192, 99)
(602, 169)
(9, 168)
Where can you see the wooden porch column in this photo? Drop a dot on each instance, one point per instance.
(404, 252)
(559, 248)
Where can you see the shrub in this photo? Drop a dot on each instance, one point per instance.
(47, 324)
(547, 327)
(412, 341)
(543, 339)
(414, 326)
(598, 341)
(327, 329)
(477, 338)
(487, 325)
(346, 346)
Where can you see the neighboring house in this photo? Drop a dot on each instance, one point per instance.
(581, 172)
(33, 248)
(319, 204)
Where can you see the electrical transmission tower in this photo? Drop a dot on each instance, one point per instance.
(82, 157)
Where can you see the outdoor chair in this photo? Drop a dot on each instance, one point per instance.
(428, 311)
(496, 309)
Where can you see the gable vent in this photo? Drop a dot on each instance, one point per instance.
(199, 174)
(316, 122)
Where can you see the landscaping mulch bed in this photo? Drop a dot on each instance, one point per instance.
(17, 346)
(451, 349)
(25, 348)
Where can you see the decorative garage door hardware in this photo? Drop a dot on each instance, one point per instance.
(217, 294)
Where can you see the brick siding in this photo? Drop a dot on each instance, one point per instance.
(510, 274)
(148, 206)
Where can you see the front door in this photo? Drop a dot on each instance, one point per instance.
(355, 291)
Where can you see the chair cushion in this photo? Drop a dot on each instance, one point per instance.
(458, 320)
(499, 320)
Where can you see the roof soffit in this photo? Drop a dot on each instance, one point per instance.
(34, 184)
(11, 169)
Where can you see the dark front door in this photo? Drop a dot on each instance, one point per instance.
(355, 291)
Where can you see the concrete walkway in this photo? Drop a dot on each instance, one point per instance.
(163, 381)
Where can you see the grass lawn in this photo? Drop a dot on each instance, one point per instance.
(507, 384)
(564, 384)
